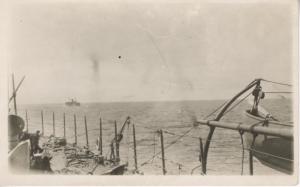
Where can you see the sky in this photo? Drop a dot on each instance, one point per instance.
(104, 51)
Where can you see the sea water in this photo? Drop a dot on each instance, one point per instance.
(175, 117)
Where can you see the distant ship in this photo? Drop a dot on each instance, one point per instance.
(72, 102)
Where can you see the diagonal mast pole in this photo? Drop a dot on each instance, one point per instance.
(15, 91)
(14, 95)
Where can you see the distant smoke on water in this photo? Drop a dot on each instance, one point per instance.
(95, 66)
(95, 63)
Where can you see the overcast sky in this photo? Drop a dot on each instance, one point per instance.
(143, 50)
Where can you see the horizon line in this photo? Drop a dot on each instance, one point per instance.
(137, 101)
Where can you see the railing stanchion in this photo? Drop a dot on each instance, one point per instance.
(42, 118)
(26, 116)
(75, 129)
(53, 118)
(134, 148)
(86, 132)
(162, 152)
(201, 156)
(64, 125)
(117, 143)
(100, 138)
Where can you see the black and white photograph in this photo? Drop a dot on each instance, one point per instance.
(153, 90)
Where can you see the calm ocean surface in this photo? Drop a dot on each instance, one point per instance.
(225, 154)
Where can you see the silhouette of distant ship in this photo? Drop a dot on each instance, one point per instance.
(72, 102)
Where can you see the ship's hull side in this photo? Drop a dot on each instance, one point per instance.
(19, 158)
(274, 152)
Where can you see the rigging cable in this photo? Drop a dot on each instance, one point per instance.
(154, 143)
(278, 92)
(280, 83)
(210, 114)
(237, 103)
(175, 134)
(168, 146)
(268, 154)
